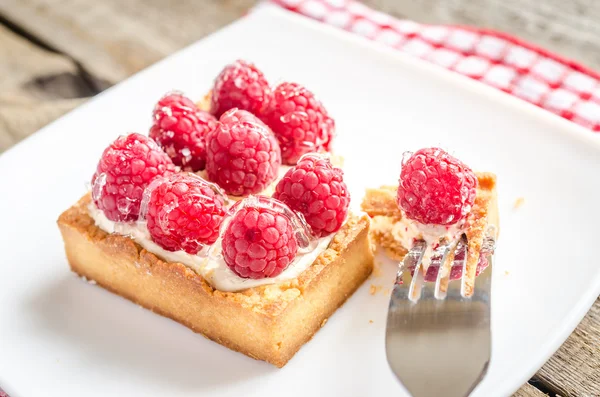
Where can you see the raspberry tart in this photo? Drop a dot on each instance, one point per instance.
(437, 198)
(204, 225)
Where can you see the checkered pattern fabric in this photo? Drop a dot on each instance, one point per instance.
(538, 76)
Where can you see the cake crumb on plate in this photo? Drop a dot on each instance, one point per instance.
(374, 289)
(376, 269)
(518, 203)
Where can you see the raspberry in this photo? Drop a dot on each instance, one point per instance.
(260, 240)
(184, 212)
(242, 154)
(179, 127)
(125, 169)
(317, 190)
(299, 121)
(436, 188)
(240, 85)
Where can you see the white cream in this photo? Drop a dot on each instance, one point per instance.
(405, 231)
(213, 269)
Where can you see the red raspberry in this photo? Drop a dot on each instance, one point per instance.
(436, 188)
(242, 154)
(179, 127)
(184, 212)
(240, 85)
(316, 189)
(125, 169)
(299, 121)
(260, 240)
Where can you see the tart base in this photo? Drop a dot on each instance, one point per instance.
(269, 323)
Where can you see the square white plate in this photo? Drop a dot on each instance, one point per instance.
(62, 337)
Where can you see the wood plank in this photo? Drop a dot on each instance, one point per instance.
(529, 391)
(19, 119)
(575, 368)
(36, 86)
(35, 72)
(114, 39)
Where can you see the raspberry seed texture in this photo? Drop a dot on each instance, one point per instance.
(300, 122)
(436, 188)
(242, 154)
(184, 212)
(260, 240)
(126, 168)
(180, 127)
(240, 85)
(316, 189)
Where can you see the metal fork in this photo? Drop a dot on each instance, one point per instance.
(438, 340)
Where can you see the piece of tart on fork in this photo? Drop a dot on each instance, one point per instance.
(438, 198)
(441, 224)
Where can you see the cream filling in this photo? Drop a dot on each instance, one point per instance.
(212, 268)
(406, 231)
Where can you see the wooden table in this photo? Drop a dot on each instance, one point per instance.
(54, 54)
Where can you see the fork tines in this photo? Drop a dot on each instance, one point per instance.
(432, 267)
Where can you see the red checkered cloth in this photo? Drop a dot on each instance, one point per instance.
(519, 68)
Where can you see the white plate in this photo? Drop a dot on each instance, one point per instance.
(62, 337)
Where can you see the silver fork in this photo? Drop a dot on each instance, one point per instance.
(438, 338)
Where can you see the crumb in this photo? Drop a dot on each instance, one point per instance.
(387, 292)
(506, 272)
(376, 269)
(518, 203)
(323, 323)
(92, 282)
(370, 321)
(372, 242)
(374, 289)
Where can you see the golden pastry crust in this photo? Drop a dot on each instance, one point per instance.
(380, 204)
(268, 323)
